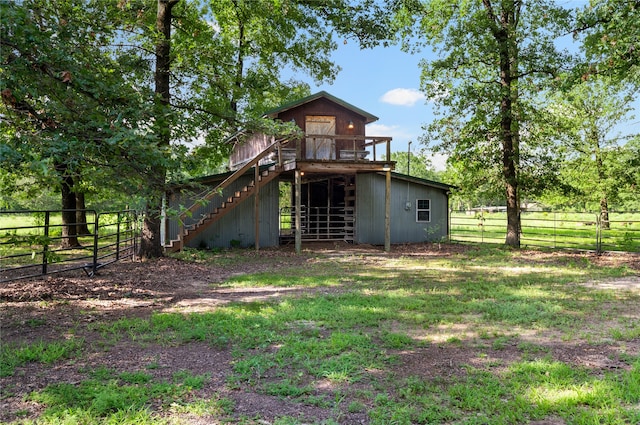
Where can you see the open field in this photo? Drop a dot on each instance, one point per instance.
(566, 230)
(427, 334)
(31, 242)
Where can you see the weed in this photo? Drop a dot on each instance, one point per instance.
(43, 352)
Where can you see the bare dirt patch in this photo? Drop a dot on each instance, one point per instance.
(57, 306)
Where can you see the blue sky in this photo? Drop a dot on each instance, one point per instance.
(384, 82)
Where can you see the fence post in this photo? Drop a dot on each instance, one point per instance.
(118, 237)
(555, 230)
(45, 247)
(482, 226)
(598, 234)
(95, 242)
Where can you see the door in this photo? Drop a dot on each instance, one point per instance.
(319, 147)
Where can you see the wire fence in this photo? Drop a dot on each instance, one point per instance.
(559, 230)
(32, 243)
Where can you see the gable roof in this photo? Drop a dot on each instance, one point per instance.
(322, 94)
(424, 182)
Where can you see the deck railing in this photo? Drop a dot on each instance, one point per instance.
(352, 148)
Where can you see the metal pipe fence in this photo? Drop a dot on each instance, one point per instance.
(31, 242)
(318, 223)
(559, 230)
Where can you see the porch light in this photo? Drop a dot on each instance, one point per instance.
(386, 167)
(350, 125)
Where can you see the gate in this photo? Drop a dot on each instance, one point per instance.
(548, 229)
(31, 242)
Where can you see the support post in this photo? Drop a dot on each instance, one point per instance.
(298, 212)
(96, 228)
(256, 206)
(387, 213)
(45, 248)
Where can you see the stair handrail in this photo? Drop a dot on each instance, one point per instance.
(277, 143)
(236, 175)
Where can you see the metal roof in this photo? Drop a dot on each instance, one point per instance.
(322, 94)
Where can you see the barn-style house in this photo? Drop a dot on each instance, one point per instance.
(334, 184)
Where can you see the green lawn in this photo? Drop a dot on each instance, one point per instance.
(551, 230)
(23, 240)
(480, 336)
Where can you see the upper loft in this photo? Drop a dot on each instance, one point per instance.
(334, 134)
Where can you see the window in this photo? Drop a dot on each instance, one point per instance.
(423, 210)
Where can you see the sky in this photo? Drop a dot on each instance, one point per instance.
(385, 82)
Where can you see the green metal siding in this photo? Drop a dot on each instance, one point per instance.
(239, 224)
(370, 211)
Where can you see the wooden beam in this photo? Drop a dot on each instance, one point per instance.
(256, 206)
(298, 207)
(387, 213)
(343, 166)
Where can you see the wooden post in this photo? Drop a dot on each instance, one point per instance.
(256, 206)
(387, 213)
(298, 207)
(388, 158)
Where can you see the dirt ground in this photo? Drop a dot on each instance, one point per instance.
(70, 302)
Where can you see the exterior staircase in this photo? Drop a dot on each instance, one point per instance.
(262, 177)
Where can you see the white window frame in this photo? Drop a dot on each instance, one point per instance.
(419, 210)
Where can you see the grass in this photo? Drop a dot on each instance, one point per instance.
(344, 347)
(551, 230)
(23, 241)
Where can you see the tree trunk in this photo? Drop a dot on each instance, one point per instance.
(604, 214)
(81, 215)
(508, 57)
(151, 242)
(69, 234)
(604, 204)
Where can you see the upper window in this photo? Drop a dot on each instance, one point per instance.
(423, 210)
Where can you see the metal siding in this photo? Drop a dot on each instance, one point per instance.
(404, 228)
(240, 224)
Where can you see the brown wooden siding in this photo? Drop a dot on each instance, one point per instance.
(249, 149)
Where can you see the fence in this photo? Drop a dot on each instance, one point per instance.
(31, 242)
(318, 223)
(563, 230)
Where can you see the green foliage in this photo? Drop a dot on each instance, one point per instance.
(417, 163)
(595, 168)
(43, 352)
(494, 59)
(121, 399)
(68, 105)
(610, 39)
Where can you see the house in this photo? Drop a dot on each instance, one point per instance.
(335, 183)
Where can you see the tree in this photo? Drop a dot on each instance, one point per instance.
(415, 164)
(64, 106)
(224, 68)
(595, 166)
(611, 39)
(84, 104)
(494, 59)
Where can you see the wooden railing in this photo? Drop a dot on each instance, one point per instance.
(209, 195)
(359, 149)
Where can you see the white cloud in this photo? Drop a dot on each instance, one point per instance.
(402, 97)
(394, 131)
(439, 161)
